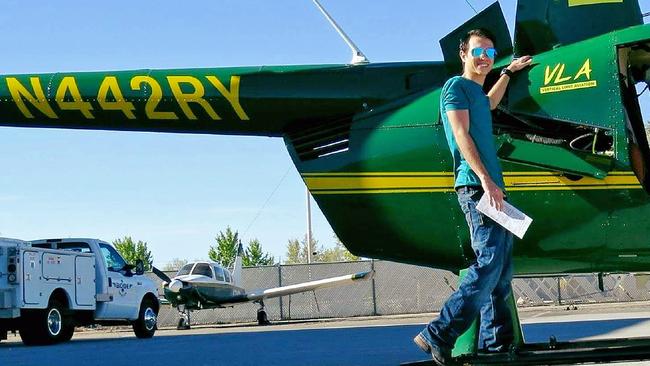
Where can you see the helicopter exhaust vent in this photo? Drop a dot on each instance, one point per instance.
(324, 139)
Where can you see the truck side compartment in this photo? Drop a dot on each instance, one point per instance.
(45, 271)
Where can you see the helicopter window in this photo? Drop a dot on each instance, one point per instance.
(218, 272)
(202, 269)
(185, 270)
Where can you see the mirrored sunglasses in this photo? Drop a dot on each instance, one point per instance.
(489, 52)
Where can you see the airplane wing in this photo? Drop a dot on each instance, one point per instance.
(307, 286)
(193, 291)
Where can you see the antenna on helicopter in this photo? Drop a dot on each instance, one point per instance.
(357, 56)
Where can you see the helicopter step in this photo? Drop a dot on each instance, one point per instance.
(560, 353)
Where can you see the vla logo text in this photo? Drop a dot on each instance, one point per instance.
(555, 79)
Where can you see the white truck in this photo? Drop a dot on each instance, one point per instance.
(47, 287)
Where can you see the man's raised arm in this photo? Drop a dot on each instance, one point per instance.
(499, 88)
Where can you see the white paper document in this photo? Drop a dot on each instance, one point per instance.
(510, 218)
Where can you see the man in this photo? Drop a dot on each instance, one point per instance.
(467, 121)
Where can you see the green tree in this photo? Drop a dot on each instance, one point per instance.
(175, 264)
(132, 251)
(297, 251)
(255, 256)
(226, 249)
(337, 254)
(294, 253)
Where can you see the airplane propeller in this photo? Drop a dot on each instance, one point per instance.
(160, 274)
(175, 285)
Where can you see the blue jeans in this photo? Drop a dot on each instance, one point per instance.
(484, 289)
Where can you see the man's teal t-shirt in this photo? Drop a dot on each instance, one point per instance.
(459, 93)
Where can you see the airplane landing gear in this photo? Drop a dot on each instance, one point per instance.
(184, 321)
(262, 319)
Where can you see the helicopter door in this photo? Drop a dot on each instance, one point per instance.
(634, 62)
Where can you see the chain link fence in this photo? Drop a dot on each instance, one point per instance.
(398, 289)
(581, 289)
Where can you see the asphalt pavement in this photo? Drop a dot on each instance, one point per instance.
(361, 341)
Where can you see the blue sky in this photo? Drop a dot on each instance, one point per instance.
(178, 191)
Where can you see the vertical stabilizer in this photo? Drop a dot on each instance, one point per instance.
(491, 18)
(236, 270)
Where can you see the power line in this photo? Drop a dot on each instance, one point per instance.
(470, 5)
(267, 201)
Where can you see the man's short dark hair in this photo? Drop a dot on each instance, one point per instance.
(479, 32)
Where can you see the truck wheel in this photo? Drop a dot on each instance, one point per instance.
(146, 326)
(49, 326)
(67, 332)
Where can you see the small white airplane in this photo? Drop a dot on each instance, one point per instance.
(206, 285)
